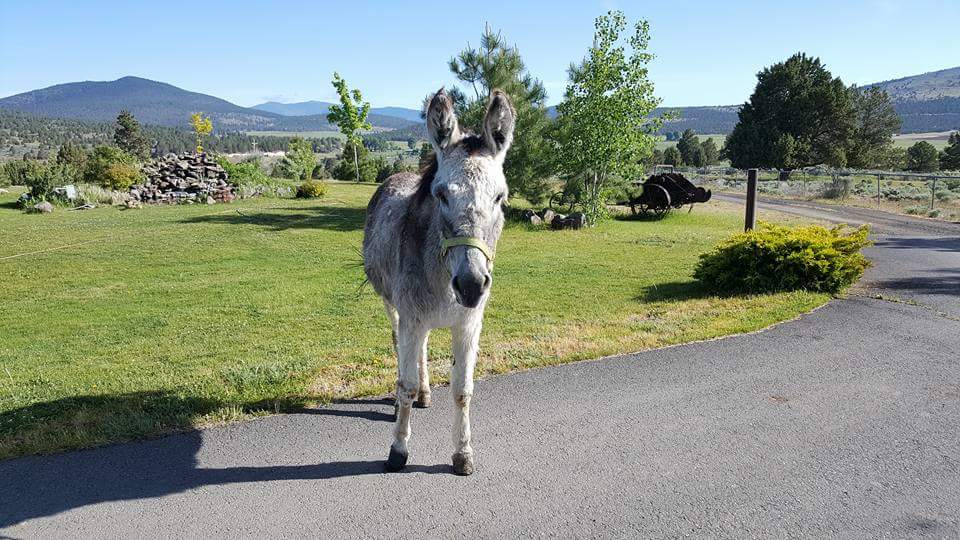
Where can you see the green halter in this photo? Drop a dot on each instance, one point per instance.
(467, 241)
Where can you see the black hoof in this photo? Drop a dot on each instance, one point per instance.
(396, 461)
(423, 401)
(463, 464)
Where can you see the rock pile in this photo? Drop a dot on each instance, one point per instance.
(183, 178)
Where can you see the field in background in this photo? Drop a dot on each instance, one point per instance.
(718, 140)
(120, 324)
(937, 139)
(304, 134)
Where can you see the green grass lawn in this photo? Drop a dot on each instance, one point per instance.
(117, 324)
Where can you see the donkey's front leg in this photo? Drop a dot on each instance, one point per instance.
(411, 341)
(466, 342)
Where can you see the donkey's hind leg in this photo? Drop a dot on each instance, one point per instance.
(423, 395)
(394, 329)
(411, 340)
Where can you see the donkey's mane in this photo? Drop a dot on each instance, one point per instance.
(470, 142)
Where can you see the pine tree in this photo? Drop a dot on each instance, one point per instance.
(495, 65)
(128, 136)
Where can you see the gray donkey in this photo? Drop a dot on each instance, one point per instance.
(428, 251)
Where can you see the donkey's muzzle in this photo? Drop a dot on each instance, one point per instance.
(470, 287)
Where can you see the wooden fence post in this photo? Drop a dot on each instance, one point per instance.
(750, 220)
(879, 178)
(933, 191)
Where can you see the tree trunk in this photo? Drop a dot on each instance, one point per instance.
(356, 164)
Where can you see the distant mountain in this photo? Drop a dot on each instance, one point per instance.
(304, 108)
(704, 119)
(928, 86)
(162, 104)
(926, 102)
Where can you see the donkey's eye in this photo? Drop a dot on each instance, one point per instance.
(443, 197)
(499, 199)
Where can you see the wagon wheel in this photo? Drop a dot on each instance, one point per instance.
(657, 201)
(558, 200)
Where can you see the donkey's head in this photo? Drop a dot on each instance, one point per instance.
(469, 189)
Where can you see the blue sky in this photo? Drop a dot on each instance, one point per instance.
(247, 52)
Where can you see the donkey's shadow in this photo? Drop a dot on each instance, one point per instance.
(40, 486)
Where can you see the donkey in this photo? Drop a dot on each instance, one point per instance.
(428, 248)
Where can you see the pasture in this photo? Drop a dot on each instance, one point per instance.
(123, 324)
(937, 139)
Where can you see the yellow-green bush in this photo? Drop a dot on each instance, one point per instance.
(311, 189)
(777, 258)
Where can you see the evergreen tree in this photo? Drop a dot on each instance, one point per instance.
(922, 157)
(875, 122)
(711, 156)
(689, 147)
(798, 115)
(950, 156)
(128, 136)
(497, 65)
(671, 156)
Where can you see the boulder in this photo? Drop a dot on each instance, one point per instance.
(535, 220)
(43, 207)
(548, 215)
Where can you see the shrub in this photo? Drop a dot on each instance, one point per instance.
(245, 173)
(311, 189)
(777, 258)
(17, 172)
(935, 213)
(120, 176)
(102, 160)
(916, 210)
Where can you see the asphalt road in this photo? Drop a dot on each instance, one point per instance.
(843, 423)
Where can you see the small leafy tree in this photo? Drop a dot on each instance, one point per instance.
(950, 156)
(128, 136)
(606, 129)
(202, 126)
(922, 157)
(350, 116)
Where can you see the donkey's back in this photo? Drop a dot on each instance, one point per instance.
(388, 210)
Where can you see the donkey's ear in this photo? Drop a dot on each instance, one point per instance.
(442, 128)
(498, 124)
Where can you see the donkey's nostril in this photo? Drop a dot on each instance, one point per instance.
(456, 284)
(486, 281)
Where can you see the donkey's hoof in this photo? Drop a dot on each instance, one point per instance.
(463, 464)
(396, 461)
(423, 400)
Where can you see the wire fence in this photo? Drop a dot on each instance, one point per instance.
(929, 194)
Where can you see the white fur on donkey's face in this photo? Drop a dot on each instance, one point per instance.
(470, 191)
